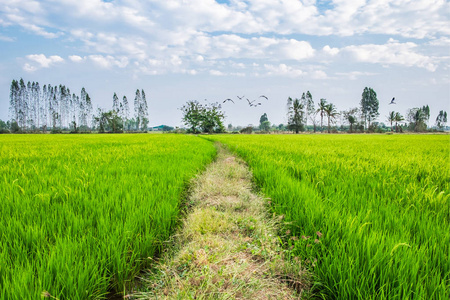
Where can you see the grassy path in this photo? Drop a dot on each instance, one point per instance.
(227, 248)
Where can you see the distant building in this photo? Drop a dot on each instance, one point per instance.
(162, 128)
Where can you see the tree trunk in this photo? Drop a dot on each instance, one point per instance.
(328, 124)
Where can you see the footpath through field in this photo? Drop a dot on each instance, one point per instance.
(228, 247)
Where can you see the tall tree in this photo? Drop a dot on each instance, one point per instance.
(144, 111)
(115, 106)
(137, 108)
(369, 105)
(330, 110)
(296, 115)
(310, 112)
(391, 118)
(441, 119)
(321, 110)
(264, 123)
(417, 118)
(14, 101)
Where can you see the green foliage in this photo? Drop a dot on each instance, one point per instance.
(4, 128)
(264, 123)
(369, 105)
(247, 130)
(330, 110)
(206, 118)
(350, 117)
(109, 121)
(441, 119)
(81, 215)
(417, 118)
(296, 115)
(369, 215)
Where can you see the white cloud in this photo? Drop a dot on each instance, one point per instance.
(216, 73)
(6, 38)
(392, 53)
(29, 68)
(354, 74)
(283, 70)
(76, 58)
(43, 61)
(330, 51)
(318, 74)
(108, 61)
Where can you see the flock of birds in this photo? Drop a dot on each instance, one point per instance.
(254, 102)
(250, 103)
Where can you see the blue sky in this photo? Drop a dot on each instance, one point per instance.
(203, 49)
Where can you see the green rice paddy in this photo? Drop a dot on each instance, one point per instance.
(368, 215)
(81, 214)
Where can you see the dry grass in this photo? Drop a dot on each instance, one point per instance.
(227, 248)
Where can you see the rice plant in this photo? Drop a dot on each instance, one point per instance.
(369, 215)
(81, 215)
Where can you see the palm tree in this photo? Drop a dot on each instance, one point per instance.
(331, 112)
(295, 115)
(398, 118)
(391, 118)
(321, 109)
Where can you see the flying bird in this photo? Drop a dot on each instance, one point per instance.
(250, 102)
(262, 96)
(392, 101)
(227, 100)
(240, 98)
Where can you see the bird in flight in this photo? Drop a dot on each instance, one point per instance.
(227, 100)
(251, 103)
(392, 101)
(262, 96)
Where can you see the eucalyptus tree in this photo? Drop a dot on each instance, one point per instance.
(137, 106)
(144, 111)
(369, 105)
(309, 109)
(441, 119)
(115, 105)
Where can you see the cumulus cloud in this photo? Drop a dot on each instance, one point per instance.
(330, 51)
(108, 61)
(392, 53)
(76, 58)
(175, 35)
(41, 61)
(283, 70)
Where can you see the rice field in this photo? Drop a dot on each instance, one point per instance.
(369, 215)
(82, 214)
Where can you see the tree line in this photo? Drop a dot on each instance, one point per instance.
(56, 108)
(362, 118)
(303, 114)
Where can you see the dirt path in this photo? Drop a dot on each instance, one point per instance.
(227, 247)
